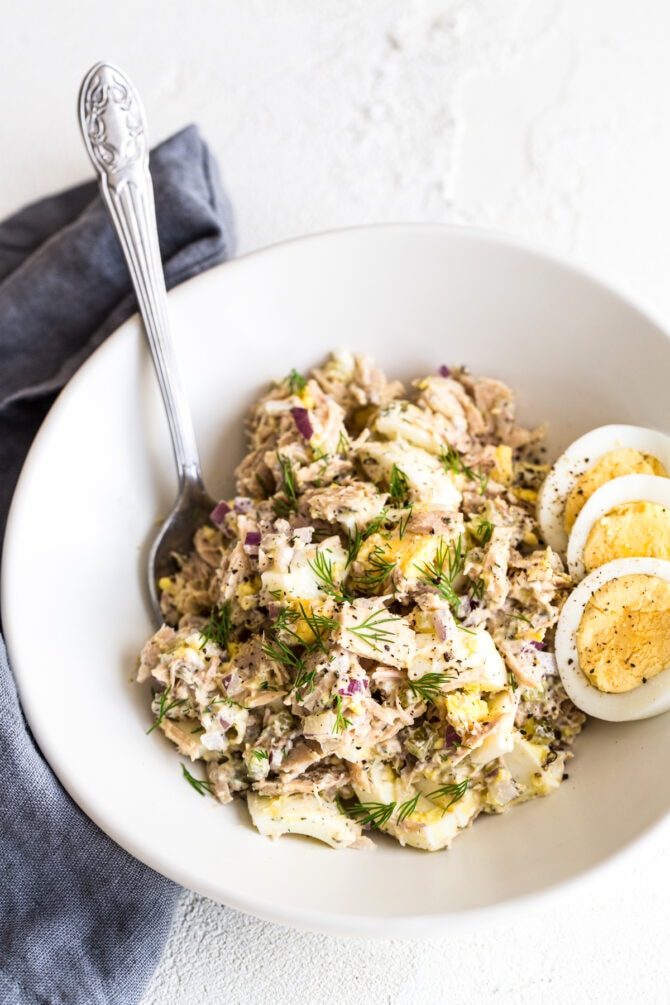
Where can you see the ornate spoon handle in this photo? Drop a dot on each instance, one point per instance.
(113, 126)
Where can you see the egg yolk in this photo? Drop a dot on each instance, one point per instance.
(626, 461)
(631, 530)
(623, 639)
(410, 553)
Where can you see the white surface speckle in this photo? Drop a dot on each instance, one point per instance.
(548, 119)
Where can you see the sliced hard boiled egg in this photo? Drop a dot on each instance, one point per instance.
(597, 457)
(613, 640)
(628, 517)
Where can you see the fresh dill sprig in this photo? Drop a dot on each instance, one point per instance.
(281, 652)
(197, 730)
(483, 532)
(453, 791)
(285, 618)
(322, 567)
(429, 686)
(371, 631)
(380, 814)
(341, 722)
(376, 814)
(286, 652)
(379, 569)
(477, 587)
(282, 507)
(260, 755)
(296, 382)
(354, 542)
(276, 648)
(341, 808)
(511, 680)
(402, 523)
(522, 617)
(343, 443)
(452, 461)
(483, 478)
(456, 555)
(223, 700)
(319, 625)
(219, 626)
(165, 706)
(304, 677)
(407, 808)
(398, 487)
(374, 525)
(445, 568)
(199, 784)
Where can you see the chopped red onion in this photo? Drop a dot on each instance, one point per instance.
(252, 542)
(273, 610)
(218, 514)
(223, 722)
(302, 421)
(538, 645)
(353, 687)
(232, 683)
(243, 504)
(451, 736)
(444, 371)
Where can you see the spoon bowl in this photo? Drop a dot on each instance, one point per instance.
(175, 538)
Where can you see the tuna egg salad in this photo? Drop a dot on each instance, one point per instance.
(363, 637)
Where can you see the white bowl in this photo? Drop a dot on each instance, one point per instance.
(100, 473)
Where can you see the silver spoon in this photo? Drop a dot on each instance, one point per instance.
(114, 130)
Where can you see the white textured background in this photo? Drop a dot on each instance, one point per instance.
(549, 119)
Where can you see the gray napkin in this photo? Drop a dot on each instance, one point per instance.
(81, 921)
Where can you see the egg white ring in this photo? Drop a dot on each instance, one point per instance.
(578, 458)
(644, 701)
(627, 488)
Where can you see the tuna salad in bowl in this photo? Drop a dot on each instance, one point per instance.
(357, 674)
(362, 638)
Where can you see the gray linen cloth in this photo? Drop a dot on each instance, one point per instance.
(81, 921)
